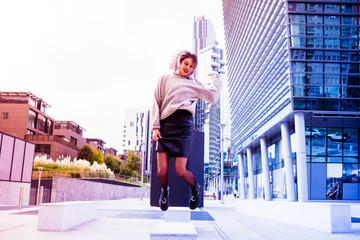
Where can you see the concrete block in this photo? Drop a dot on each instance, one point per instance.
(177, 215)
(63, 216)
(174, 231)
(324, 216)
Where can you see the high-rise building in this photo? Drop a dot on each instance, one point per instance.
(136, 135)
(293, 69)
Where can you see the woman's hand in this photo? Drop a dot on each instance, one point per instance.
(156, 134)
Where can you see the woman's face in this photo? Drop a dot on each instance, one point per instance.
(186, 67)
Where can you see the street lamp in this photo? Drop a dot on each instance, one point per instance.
(142, 168)
(38, 193)
(222, 125)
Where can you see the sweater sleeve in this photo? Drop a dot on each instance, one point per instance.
(156, 106)
(212, 92)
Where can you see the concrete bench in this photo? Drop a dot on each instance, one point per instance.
(176, 225)
(62, 216)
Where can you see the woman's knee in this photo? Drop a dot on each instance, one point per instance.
(181, 171)
(161, 173)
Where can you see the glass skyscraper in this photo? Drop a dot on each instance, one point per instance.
(293, 69)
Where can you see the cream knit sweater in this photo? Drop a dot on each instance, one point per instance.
(173, 92)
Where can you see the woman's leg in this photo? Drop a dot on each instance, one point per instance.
(180, 168)
(162, 168)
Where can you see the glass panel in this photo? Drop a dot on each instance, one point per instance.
(314, 67)
(299, 91)
(314, 42)
(318, 159)
(332, 105)
(332, 92)
(347, 20)
(299, 66)
(299, 78)
(316, 19)
(349, 68)
(334, 159)
(350, 159)
(297, 18)
(349, 56)
(314, 104)
(351, 142)
(298, 42)
(332, 8)
(351, 173)
(297, 6)
(332, 67)
(332, 79)
(349, 43)
(349, 32)
(313, 7)
(314, 30)
(332, 56)
(350, 105)
(334, 20)
(297, 29)
(318, 144)
(334, 137)
(332, 43)
(334, 181)
(348, 8)
(332, 31)
(314, 55)
(350, 92)
(298, 54)
(315, 91)
(314, 78)
(349, 80)
(299, 104)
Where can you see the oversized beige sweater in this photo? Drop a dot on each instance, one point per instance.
(173, 92)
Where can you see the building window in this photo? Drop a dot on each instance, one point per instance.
(4, 115)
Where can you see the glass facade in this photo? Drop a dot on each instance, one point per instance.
(324, 48)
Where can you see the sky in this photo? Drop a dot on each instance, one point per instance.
(92, 59)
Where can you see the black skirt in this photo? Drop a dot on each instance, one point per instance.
(177, 132)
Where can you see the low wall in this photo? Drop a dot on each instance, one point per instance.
(10, 192)
(72, 189)
(328, 217)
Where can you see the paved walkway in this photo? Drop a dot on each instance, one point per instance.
(135, 219)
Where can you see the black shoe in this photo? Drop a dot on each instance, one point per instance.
(164, 199)
(195, 197)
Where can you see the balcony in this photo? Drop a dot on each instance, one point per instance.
(49, 138)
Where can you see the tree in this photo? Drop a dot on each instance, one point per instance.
(85, 153)
(97, 156)
(112, 163)
(133, 161)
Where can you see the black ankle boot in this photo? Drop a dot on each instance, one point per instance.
(164, 198)
(195, 197)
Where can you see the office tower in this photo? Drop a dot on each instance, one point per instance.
(136, 136)
(293, 69)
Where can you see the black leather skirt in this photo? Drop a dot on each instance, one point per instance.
(177, 132)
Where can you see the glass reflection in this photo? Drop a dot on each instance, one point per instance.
(314, 91)
(350, 105)
(332, 8)
(348, 20)
(315, 19)
(318, 142)
(314, 55)
(332, 56)
(314, 67)
(314, 42)
(299, 66)
(332, 43)
(350, 173)
(314, 78)
(334, 140)
(296, 18)
(349, 32)
(332, 20)
(314, 7)
(314, 104)
(299, 78)
(298, 54)
(332, 79)
(332, 31)
(332, 104)
(314, 30)
(297, 29)
(332, 92)
(332, 67)
(351, 142)
(298, 42)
